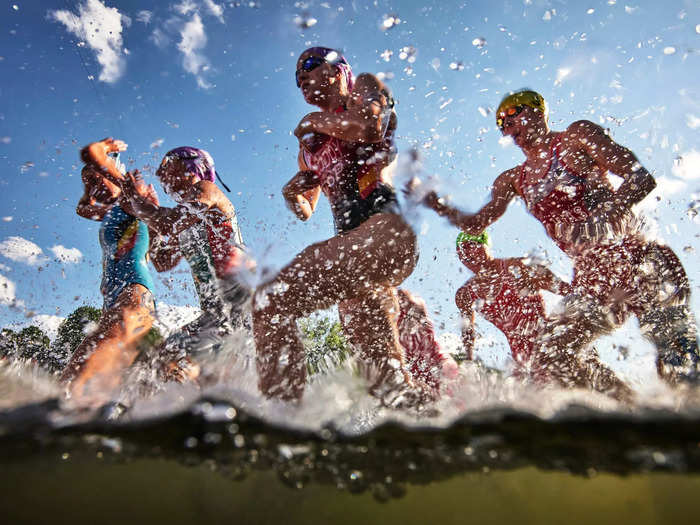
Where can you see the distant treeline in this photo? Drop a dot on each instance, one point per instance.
(325, 345)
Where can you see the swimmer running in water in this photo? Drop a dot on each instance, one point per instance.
(202, 228)
(344, 151)
(95, 369)
(506, 292)
(617, 272)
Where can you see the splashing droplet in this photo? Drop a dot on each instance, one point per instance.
(669, 50)
(386, 55)
(456, 66)
(479, 42)
(389, 22)
(305, 21)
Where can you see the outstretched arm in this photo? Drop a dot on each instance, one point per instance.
(617, 159)
(167, 221)
(164, 251)
(474, 223)
(366, 119)
(96, 156)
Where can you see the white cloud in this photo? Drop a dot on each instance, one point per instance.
(101, 28)
(193, 40)
(144, 17)
(688, 166)
(214, 9)
(186, 7)
(47, 323)
(21, 250)
(159, 38)
(66, 255)
(692, 121)
(7, 291)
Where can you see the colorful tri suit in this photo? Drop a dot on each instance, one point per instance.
(124, 242)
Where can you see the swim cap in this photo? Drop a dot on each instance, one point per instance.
(335, 58)
(196, 161)
(524, 97)
(483, 238)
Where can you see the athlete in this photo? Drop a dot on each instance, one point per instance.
(425, 360)
(617, 272)
(203, 229)
(95, 368)
(506, 292)
(345, 151)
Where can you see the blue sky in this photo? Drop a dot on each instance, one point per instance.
(219, 75)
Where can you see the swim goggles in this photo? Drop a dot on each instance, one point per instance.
(509, 112)
(526, 97)
(312, 62)
(463, 237)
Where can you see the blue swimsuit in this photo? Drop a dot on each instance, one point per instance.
(124, 241)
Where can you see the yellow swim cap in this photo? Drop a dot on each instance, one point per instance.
(525, 97)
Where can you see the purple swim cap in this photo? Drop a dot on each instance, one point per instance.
(196, 161)
(333, 56)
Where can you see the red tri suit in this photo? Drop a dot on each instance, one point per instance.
(350, 175)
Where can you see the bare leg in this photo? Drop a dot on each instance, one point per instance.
(95, 368)
(560, 354)
(463, 300)
(369, 322)
(380, 253)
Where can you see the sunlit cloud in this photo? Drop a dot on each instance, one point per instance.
(46, 323)
(186, 7)
(22, 250)
(159, 38)
(214, 9)
(194, 39)
(144, 17)
(66, 255)
(100, 27)
(692, 121)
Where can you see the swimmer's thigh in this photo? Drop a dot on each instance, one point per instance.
(381, 252)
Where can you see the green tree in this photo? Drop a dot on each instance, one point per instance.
(8, 343)
(32, 343)
(70, 333)
(324, 342)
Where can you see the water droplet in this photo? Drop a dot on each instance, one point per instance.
(479, 42)
(669, 50)
(390, 21)
(590, 11)
(408, 53)
(386, 55)
(456, 66)
(697, 29)
(305, 21)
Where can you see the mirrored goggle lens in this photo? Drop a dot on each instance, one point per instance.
(509, 112)
(308, 64)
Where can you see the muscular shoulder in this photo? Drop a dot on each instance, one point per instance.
(369, 86)
(583, 131)
(210, 196)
